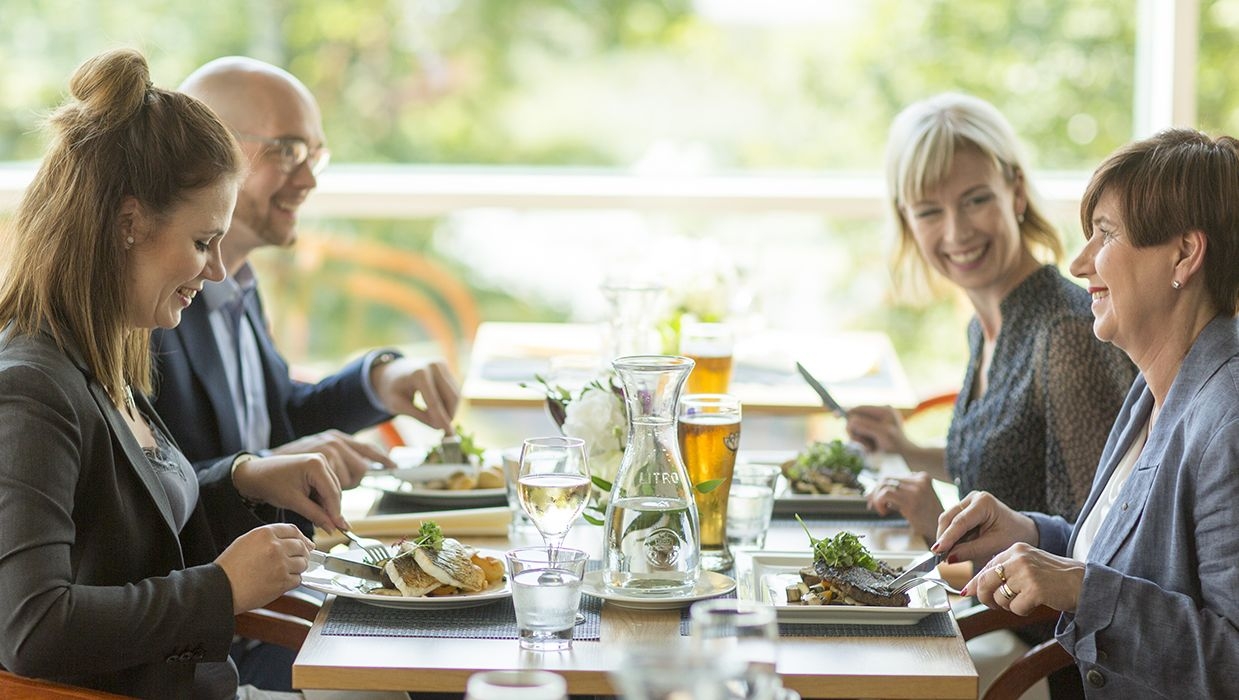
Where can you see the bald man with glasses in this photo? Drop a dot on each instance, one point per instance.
(222, 386)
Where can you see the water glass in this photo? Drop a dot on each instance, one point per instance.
(516, 685)
(750, 503)
(521, 526)
(745, 634)
(546, 592)
(671, 672)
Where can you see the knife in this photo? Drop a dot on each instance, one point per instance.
(929, 561)
(348, 567)
(827, 400)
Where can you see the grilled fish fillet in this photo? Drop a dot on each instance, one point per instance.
(408, 576)
(452, 565)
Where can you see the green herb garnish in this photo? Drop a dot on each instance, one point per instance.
(468, 447)
(429, 535)
(841, 551)
(835, 458)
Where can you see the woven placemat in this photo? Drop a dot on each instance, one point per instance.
(932, 625)
(353, 618)
(817, 524)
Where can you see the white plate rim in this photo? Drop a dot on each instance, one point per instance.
(338, 585)
(753, 567)
(710, 584)
(398, 482)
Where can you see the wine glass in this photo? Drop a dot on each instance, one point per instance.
(553, 485)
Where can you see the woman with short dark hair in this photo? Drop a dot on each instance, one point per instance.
(1146, 577)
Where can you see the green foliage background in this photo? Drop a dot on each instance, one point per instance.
(622, 83)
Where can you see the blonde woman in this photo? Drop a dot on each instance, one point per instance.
(1040, 391)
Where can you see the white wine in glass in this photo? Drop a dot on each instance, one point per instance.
(553, 485)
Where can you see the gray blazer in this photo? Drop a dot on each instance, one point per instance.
(1159, 608)
(96, 586)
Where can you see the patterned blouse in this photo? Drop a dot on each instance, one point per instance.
(1035, 437)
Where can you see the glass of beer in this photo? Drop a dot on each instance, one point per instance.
(709, 428)
(710, 346)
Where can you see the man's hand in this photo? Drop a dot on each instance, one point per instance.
(422, 389)
(348, 457)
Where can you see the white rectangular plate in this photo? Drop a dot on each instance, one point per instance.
(788, 502)
(764, 577)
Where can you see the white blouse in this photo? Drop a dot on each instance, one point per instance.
(1096, 516)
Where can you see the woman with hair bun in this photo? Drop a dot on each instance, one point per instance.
(116, 571)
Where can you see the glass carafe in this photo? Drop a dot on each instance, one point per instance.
(652, 542)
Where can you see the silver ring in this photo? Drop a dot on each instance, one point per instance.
(1006, 591)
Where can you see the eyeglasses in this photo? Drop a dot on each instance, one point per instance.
(292, 152)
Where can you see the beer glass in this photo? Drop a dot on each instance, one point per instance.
(709, 431)
(710, 346)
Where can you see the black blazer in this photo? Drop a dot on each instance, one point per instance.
(97, 588)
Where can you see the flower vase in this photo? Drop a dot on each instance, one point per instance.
(652, 546)
(632, 327)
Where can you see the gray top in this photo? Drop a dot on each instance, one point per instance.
(1035, 437)
(176, 475)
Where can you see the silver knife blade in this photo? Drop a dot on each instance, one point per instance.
(928, 561)
(918, 567)
(827, 400)
(348, 567)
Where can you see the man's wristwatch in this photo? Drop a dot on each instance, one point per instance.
(236, 462)
(383, 358)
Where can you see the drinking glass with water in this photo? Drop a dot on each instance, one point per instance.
(546, 592)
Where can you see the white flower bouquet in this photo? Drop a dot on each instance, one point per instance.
(595, 414)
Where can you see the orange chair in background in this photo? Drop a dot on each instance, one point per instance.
(368, 272)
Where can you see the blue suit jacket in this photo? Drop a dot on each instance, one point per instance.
(193, 397)
(1158, 613)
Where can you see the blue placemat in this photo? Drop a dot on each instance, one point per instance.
(932, 625)
(353, 618)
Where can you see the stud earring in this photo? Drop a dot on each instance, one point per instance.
(1177, 284)
(1020, 217)
(128, 242)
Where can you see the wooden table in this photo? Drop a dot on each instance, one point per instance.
(868, 667)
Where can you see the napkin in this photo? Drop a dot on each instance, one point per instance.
(476, 522)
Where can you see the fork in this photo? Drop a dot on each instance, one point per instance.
(375, 551)
(451, 451)
(913, 583)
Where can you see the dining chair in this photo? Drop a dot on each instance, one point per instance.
(284, 621)
(1035, 664)
(14, 687)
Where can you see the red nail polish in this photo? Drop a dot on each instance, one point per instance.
(952, 559)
